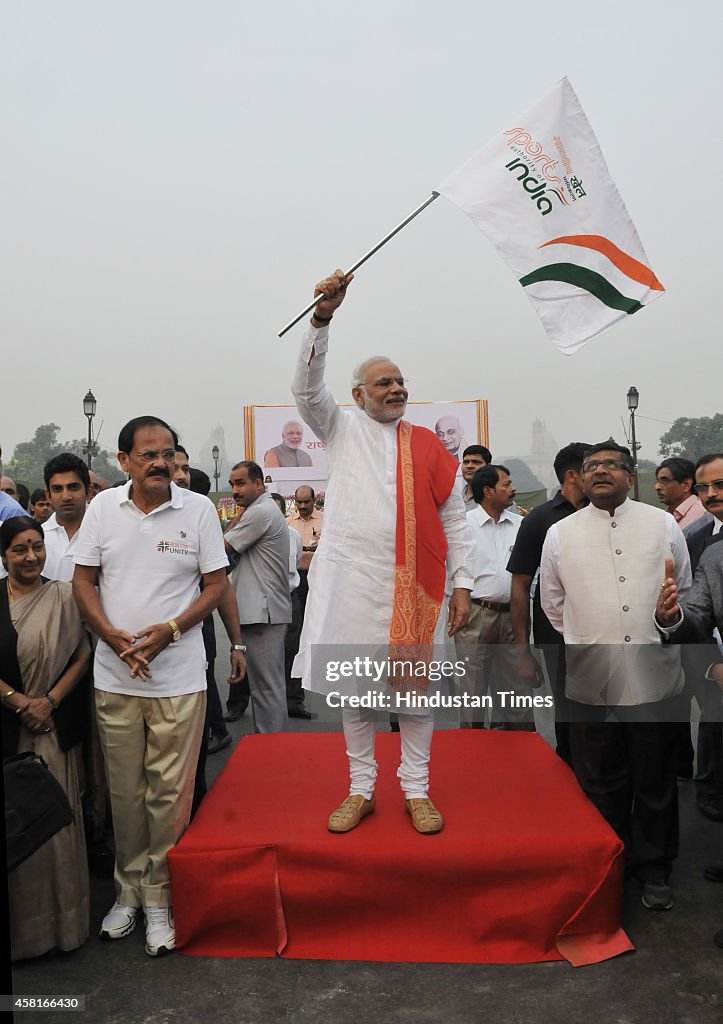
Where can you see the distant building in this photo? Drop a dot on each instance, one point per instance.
(538, 464)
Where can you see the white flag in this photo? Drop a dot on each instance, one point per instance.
(541, 192)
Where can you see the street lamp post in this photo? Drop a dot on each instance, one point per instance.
(633, 397)
(89, 406)
(216, 474)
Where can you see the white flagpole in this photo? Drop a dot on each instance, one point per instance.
(364, 258)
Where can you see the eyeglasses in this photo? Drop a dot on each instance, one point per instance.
(716, 485)
(609, 464)
(386, 382)
(169, 455)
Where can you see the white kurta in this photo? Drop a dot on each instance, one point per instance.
(351, 579)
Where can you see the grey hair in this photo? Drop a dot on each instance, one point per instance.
(357, 377)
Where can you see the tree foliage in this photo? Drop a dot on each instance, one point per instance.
(30, 457)
(693, 438)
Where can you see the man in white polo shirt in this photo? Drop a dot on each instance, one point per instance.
(67, 484)
(145, 547)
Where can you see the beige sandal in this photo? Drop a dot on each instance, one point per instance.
(348, 815)
(425, 816)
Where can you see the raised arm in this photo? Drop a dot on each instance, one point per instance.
(315, 402)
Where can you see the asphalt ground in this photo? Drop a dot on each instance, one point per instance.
(674, 976)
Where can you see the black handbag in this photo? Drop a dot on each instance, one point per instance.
(36, 806)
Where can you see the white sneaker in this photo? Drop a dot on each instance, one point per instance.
(160, 933)
(119, 921)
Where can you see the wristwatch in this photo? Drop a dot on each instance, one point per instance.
(238, 647)
(175, 630)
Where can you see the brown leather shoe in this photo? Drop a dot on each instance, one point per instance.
(348, 815)
(425, 816)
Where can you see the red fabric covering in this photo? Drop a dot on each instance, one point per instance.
(524, 870)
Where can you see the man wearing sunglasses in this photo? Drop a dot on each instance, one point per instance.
(600, 577)
(376, 585)
(140, 555)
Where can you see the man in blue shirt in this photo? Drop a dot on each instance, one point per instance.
(8, 506)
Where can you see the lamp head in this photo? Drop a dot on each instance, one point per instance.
(89, 404)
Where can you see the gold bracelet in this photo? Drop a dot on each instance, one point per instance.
(174, 630)
(6, 695)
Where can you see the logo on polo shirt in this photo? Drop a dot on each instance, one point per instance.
(174, 547)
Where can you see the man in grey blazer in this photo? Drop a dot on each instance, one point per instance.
(699, 536)
(257, 541)
(709, 775)
(694, 618)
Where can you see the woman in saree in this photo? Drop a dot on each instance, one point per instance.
(44, 655)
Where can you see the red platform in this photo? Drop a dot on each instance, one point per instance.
(524, 870)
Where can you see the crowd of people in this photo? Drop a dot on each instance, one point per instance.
(108, 647)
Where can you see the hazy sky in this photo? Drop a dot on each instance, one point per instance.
(177, 175)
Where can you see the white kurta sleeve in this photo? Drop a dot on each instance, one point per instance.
(460, 546)
(552, 592)
(315, 402)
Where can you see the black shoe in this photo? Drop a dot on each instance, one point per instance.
(233, 714)
(714, 872)
(217, 743)
(718, 938)
(301, 713)
(657, 895)
(711, 809)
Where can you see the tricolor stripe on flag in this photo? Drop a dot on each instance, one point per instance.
(542, 194)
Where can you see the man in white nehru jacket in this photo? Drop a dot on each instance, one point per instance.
(600, 577)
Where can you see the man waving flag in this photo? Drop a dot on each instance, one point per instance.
(541, 192)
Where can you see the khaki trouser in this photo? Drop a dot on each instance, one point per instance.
(487, 640)
(150, 746)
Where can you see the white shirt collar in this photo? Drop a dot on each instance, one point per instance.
(483, 517)
(124, 495)
(51, 523)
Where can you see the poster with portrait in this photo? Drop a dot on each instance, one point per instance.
(290, 454)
